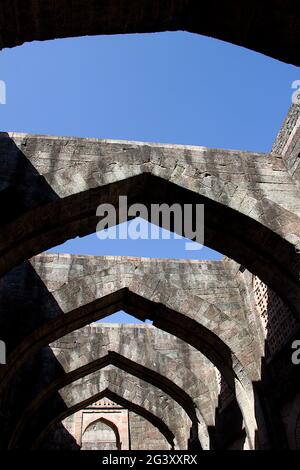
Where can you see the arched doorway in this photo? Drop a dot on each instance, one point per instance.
(101, 435)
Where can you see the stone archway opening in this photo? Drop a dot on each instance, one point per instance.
(142, 310)
(101, 434)
(256, 225)
(248, 234)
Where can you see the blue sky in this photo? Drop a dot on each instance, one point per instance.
(167, 87)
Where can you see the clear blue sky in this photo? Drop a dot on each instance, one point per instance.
(167, 87)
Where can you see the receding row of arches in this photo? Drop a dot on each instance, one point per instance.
(73, 312)
(184, 315)
(53, 195)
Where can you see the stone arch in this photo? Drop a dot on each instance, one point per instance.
(246, 220)
(162, 306)
(108, 423)
(136, 344)
(289, 289)
(95, 296)
(182, 377)
(255, 25)
(126, 384)
(153, 419)
(128, 366)
(146, 413)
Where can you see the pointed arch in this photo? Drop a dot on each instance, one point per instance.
(254, 25)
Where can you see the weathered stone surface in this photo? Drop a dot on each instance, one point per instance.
(208, 293)
(173, 359)
(251, 201)
(112, 423)
(216, 312)
(144, 437)
(175, 284)
(288, 142)
(135, 390)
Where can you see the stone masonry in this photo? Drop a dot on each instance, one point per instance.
(217, 367)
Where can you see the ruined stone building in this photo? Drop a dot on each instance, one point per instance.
(218, 367)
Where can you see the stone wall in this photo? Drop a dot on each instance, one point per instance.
(144, 436)
(62, 284)
(287, 143)
(251, 200)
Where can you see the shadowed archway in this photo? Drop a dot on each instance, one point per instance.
(107, 424)
(246, 220)
(189, 326)
(139, 410)
(255, 25)
(85, 383)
